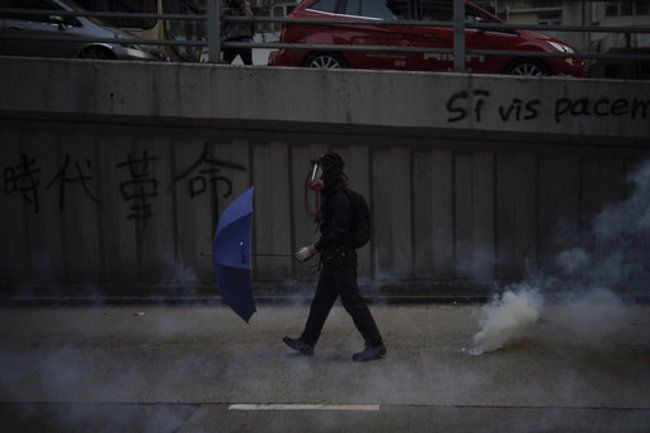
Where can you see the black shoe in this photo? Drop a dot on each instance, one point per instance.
(300, 346)
(370, 353)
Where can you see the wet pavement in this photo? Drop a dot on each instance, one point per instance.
(198, 368)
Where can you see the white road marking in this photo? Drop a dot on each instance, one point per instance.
(350, 407)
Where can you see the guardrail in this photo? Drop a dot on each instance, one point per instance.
(214, 43)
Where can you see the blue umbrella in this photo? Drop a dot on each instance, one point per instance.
(231, 255)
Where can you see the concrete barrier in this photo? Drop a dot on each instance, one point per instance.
(116, 172)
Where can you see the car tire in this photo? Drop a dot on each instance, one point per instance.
(324, 61)
(527, 68)
(99, 53)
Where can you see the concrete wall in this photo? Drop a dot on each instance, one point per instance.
(115, 172)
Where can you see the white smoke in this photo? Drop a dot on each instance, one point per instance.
(506, 317)
(184, 276)
(591, 311)
(621, 231)
(593, 316)
(574, 261)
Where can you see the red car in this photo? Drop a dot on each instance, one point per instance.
(385, 11)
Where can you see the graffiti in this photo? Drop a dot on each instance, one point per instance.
(141, 188)
(473, 106)
(461, 112)
(601, 107)
(62, 178)
(206, 172)
(519, 110)
(22, 179)
(137, 184)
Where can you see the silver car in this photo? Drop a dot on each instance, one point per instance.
(63, 35)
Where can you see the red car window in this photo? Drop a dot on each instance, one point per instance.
(435, 10)
(325, 6)
(384, 9)
(353, 7)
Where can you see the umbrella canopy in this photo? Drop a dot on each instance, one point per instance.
(231, 255)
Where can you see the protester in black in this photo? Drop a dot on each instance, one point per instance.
(338, 261)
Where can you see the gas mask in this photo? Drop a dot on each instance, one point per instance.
(325, 170)
(315, 182)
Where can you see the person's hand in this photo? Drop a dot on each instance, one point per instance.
(305, 252)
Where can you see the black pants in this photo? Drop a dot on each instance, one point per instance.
(246, 54)
(340, 280)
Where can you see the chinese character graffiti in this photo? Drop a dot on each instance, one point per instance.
(206, 172)
(137, 184)
(141, 188)
(23, 179)
(77, 176)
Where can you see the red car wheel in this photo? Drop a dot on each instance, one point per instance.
(324, 61)
(527, 67)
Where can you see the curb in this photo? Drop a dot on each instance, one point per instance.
(293, 293)
(189, 301)
(218, 301)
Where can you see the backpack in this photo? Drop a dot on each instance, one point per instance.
(361, 227)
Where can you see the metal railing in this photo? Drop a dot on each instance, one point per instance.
(214, 44)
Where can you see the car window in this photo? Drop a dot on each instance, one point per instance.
(435, 10)
(29, 4)
(353, 7)
(385, 9)
(140, 6)
(25, 4)
(473, 15)
(325, 6)
(443, 10)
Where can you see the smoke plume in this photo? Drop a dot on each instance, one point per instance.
(506, 317)
(586, 279)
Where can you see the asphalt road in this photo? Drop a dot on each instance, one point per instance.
(202, 369)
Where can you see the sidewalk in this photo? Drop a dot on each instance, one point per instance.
(182, 368)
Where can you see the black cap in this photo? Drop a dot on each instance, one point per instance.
(331, 161)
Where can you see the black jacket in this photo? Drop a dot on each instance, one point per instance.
(336, 216)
